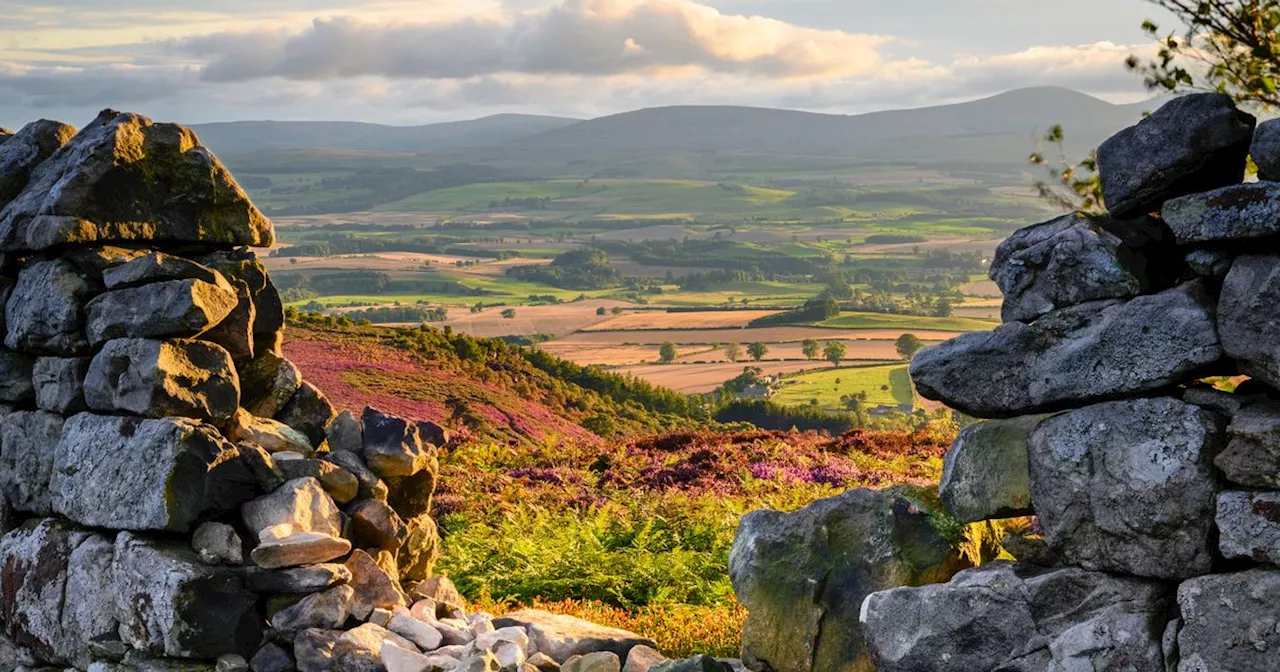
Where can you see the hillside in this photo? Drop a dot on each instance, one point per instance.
(242, 137)
(482, 387)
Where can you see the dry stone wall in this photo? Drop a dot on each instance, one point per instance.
(1157, 495)
(173, 496)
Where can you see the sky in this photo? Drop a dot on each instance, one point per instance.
(415, 62)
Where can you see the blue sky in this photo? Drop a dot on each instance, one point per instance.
(420, 61)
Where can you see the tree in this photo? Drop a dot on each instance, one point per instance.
(834, 352)
(811, 348)
(601, 311)
(733, 351)
(908, 345)
(509, 314)
(1231, 46)
(617, 310)
(757, 351)
(668, 353)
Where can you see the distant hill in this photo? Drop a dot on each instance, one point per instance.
(936, 133)
(242, 137)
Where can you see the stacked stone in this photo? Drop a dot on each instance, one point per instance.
(1158, 496)
(171, 490)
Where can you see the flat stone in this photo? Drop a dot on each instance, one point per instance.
(124, 473)
(309, 412)
(298, 549)
(157, 379)
(17, 376)
(802, 575)
(1233, 213)
(599, 661)
(984, 474)
(158, 267)
(562, 637)
(163, 596)
(261, 465)
(1249, 526)
(269, 381)
(302, 503)
(360, 649)
(24, 151)
(1252, 457)
(42, 562)
(376, 525)
(1229, 622)
(374, 588)
(268, 320)
(28, 442)
(235, 332)
(445, 597)
(1191, 144)
(275, 437)
(341, 485)
(1206, 263)
(173, 308)
(1017, 617)
(1075, 356)
(1128, 486)
(313, 649)
(701, 663)
(421, 634)
(392, 445)
(1064, 262)
(140, 165)
(397, 659)
(218, 544)
(45, 312)
(1249, 295)
(327, 610)
(231, 662)
(297, 580)
(59, 384)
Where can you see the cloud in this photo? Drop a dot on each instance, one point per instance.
(118, 85)
(575, 37)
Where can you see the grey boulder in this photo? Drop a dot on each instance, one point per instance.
(59, 383)
(28, 447)
(1249, 526)
(1265, 150)
(157, 379)
(1064, 262)
(309, 412)
(126, 473)
(178, 308)
(1245, 308)
(1235, 213)
(43, 562)
(24, 151)
(392, 445)
(164, 595)
(269, 381)
(1252, 456)
(123, 178)
(803, 575)
(1005, 616)
(158, 267)
(1129, 486)
(1229, 622)
(296, 580)
(984, 474)
(268, 309)
(562, 637)
(1074, 356)
(45, 311)
(301, 503)
(1191, 144)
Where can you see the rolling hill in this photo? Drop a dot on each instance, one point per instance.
(240, 137)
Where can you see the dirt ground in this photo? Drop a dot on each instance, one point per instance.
(770, 335)
(656, 319)
(558, 320)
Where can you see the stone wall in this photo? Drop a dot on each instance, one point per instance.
(172, 493)
(1156, 494)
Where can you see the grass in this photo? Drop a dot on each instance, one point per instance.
(886, 321)
(884, 386)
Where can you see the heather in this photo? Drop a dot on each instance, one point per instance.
(643, 525)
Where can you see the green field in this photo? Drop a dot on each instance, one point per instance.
(885, 386)
(885, 321)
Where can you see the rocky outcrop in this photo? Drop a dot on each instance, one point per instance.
(1147, 478)
(803, 575)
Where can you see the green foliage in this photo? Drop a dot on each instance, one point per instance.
(834, 352)
(758, 350)
(1071, 186)
(773, 416)
(733, 351)
(668, 353)
(386, 314)
(587, 269)
(908, 345)
(1232, 46)
(816, 310)
(623, 389)
(811, 348)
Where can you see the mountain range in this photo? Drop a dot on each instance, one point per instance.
(1006, 122)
